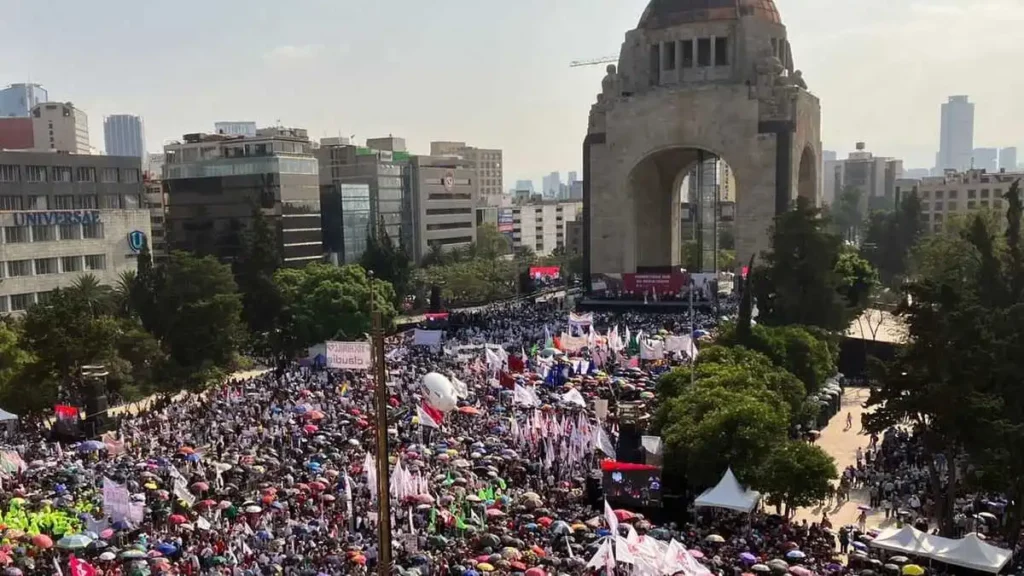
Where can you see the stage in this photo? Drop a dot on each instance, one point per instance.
(639, 306)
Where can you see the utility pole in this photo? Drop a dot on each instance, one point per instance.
(383, 470)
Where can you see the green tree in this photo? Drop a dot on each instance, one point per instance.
(891, 236)
(435, 256)
(490, 243)
(797, 282)
(846, 213)
(13, 360)
(858, 279)
(388, 262)
(796, 475)
(254, 270)
(325, 302)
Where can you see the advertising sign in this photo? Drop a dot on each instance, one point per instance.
(663, 282)
(544, 272)
(47, 218)
(505, 220)
(349, 355)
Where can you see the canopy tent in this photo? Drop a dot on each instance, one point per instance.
(6, 416)
(968, 552)
(728, 494)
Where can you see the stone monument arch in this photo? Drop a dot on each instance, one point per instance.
(695, 78)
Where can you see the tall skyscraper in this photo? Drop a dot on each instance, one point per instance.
(551, 185)
(986, 159)
(17, 100)
(573, 176)
(956, 138)
(123, 136)
(524, 185)
(1008, 159)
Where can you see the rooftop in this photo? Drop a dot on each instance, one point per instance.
(669, 13)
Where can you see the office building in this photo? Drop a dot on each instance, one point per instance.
(574, 237)
(384, 172)
(956, 138)
(347, 220)
(60, 127)
(155, 201)
(874, 176)
(959, 193)
(576, 190)
(16, 134)
(62, 216)
(388, 143)
(916, 173)
(154, 166)
(123, 135)
(986, 159)
(443, 204)
(1008, 159)
(486, 162)
(214, 183)
(247, 129)
(18, 100)
(551, 184)
(829, 156)
(573, 177)
(541, 226)
(524, 185)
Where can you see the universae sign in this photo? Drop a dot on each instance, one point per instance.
(56, 217)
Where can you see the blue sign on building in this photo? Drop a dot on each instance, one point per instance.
(56, 217)
(136, 240)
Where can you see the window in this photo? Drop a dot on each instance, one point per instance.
(669, 61)
(61, 173)
(71, 264)
(92, 231)
(85, 174)
(44, 233)
(158, 233)
(998, 192)
(926, 194)
(703, 52)
(972, 193)
(951, 206)
(110, 201)
(938, 205)
(129, 175)
(17, 268)
(70, 231)
(36, 202)
(953, 194)
(160, 219)
(9, 173)
(971, 204)
(11, 203)
(35, 173)
(984, 203)
(687, 53)
(655, 78)
(85, 202)
(925, 206)
(15, 234)
(43, 297)
(3, 304)
(721, 51)
(997, 203)
(108, 176)
(96, 262)
(46, 266)
(449, 226)
(130, 202)
(21, 302)
(984, 192)
(64, 202)
(938, 194)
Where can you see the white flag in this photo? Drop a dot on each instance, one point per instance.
(461, 390)
(611, 519)
(604, 557)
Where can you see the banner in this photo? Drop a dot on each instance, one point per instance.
(544, 272)
(349, 355)
(116, 500)
(430, 338)
(572, 343)
(652, 349)
(601, 409)
(665, 282)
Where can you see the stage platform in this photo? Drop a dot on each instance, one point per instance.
(639, 306)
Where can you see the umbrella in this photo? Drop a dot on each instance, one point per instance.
(91, 446)
(133, 555)
(912, 570)
(42, 541)
(778, 564)
(74, 542)
(715, 539)
(864, 508)
(760, 568)
(860, 546)
(899, 559)
(166, 548)
(177, 519)
(107, 556)
(748, 557)
(800, 571)
(625, 516)
(795, 555)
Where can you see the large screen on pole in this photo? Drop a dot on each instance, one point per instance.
(544, 272)
(632, 484)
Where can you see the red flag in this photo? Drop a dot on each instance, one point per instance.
(506, 380)
(516, 364)
(557, 342)
(78, 567)
(430, 416)
(634, 362)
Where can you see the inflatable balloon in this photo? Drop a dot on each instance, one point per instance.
(439, 392)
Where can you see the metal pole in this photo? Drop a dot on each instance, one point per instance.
(383, 470)
(693, 346)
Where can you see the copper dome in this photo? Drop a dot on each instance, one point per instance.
(668, 13)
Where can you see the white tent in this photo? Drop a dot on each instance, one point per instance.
(908, 540)
(6, 416)
(968, 552)
(974, 553)
(728, 494)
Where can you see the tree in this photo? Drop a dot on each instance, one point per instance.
(254, 270)
(435, 256)
(795, 349)
(798, 475)
(846, 214)
(13, 360)
(797, 282)
(857, 280)
(471, 281)
(324, 302)
(98, 297)
(387, 262)
(490, 243)
(891, 236)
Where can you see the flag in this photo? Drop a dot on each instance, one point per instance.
(506, 380)
(429, 416)
(494, 362)
(517, 364)
(611, 519)
(548, 342)
(626, 552)
(461, 390)
(604, 443)
(603, 558)
(77, 567)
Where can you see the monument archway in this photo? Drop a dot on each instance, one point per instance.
(695, 75)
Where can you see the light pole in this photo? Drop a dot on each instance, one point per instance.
(383, 470)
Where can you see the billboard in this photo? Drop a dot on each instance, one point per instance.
(505, 220)
(349, 355)
(544, 272)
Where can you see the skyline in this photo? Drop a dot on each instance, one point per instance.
(478, 77)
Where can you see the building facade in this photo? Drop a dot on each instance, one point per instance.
(541, 226)
(247, 129)
(123, 135)
(18, 100)
(956, 137)
(213, 184)
(384, 172)
(1008, 159)
(346, 221)
(986, 159)
(551, 185)
(60, 127)
(63, 216)
(156, 203)
(959, 193)
(486, 162)
(16, 134)
(874, 176)
(443, 203)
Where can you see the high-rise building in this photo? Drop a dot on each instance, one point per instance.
(487, 163)
(18, 100)
(1008, 159)
(384, 173)
(573, 176)
(123, 136)
(60, 127)
(986, 159)
(214, 183)
(64, 216)
(956, 139)
(957, 193)
(551, 184)
(829, 156)
(874, 176)
(247, 129)
(576, 190)
(541, 226)
(524, 185)
(442, 203)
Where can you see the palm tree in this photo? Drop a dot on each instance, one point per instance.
(124, 291)
(97, 296)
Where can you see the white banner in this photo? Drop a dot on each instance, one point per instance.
(116, 500)
(349, 355)
(426, 337)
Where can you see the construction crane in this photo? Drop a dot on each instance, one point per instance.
(594, 61)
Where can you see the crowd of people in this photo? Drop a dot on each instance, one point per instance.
(276, 474)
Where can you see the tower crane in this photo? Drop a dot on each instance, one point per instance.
(594, 61)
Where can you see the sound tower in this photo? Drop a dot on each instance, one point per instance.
(94, 381)
(435, 299)
(629, 448)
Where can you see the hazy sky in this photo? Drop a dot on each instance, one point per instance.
(492, 72)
